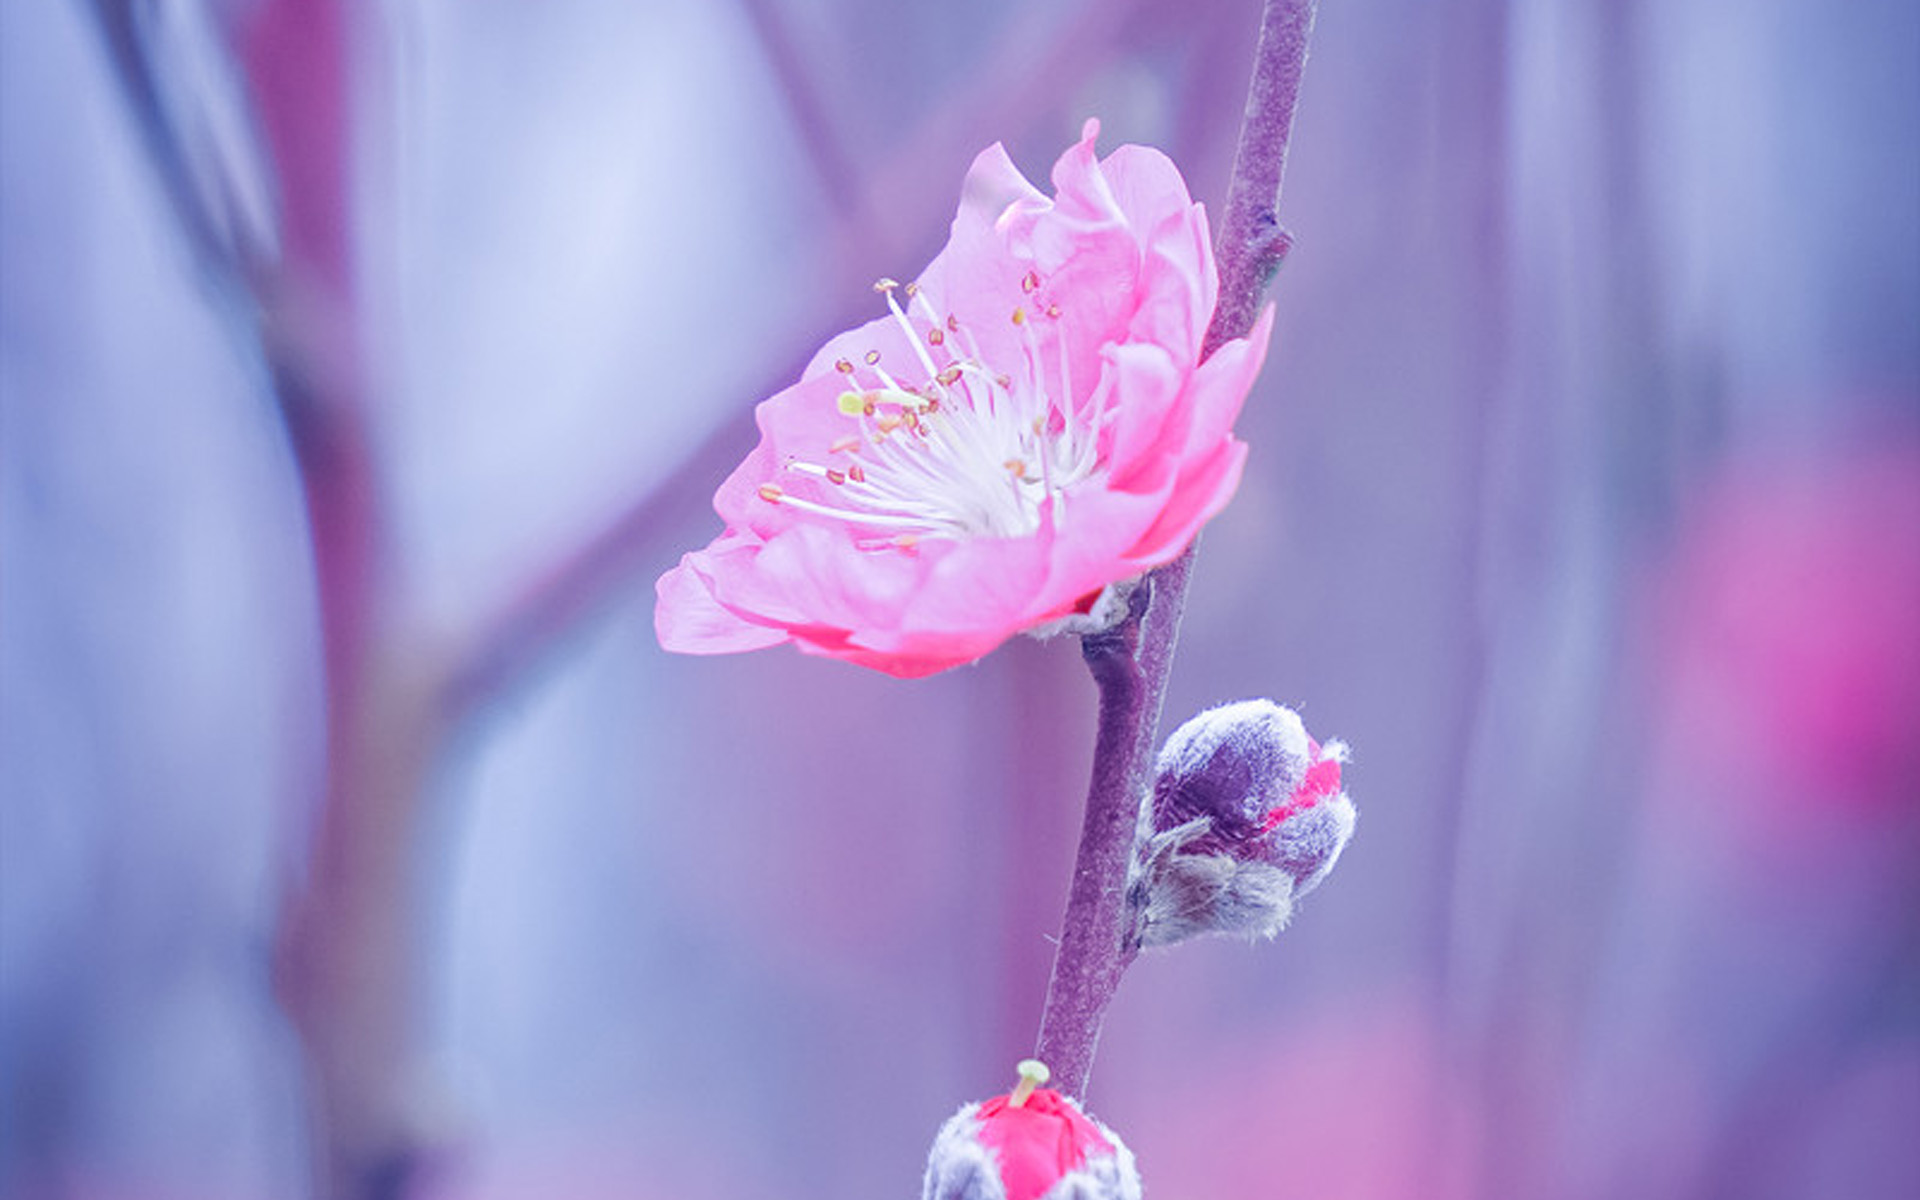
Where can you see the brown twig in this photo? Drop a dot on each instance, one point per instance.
(1131, 664)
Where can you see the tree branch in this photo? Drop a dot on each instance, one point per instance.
(1131, 664)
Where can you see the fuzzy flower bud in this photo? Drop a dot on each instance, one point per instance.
(1248, 815)
(1031, 1144)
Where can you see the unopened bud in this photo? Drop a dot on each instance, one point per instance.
(1248, 815)
(1033, 1144)
(1232, 764)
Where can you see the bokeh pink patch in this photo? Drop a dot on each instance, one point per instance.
(1790, 626)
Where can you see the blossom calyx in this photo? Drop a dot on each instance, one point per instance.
(1031, 1144)
(1248, 815)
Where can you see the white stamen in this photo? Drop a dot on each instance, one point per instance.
(913, 339)
(971, 452)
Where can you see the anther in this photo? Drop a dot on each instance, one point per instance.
(844, 367)
(1017, 467)
(844, 445)
(836, 477)
(935, 337)
(912, 289)
(883, 284)
(771, 493)
(1031, 282)
(1053, 310)
(857, 473)
(873, 356)
(1019, 316)
(953, 323)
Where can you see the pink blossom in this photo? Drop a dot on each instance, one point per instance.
(1030, 423)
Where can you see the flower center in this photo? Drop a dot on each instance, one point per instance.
(963, 451)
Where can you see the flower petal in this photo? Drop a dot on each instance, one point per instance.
(1145, 384)
(1177, 284)
(1146, 186)
(1220, 386)
(689, 620)
(1202, 492)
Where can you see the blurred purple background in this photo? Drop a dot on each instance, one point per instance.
(1584, 502)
